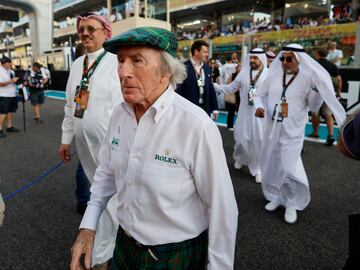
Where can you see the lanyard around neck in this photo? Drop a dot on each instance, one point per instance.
(88, 72)
(253, 81)
(286, 85)
(198, 74)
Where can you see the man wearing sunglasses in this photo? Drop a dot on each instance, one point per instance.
(296, 83)
(248, 128)
(92, 91)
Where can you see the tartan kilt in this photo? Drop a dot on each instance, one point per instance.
(187, 255)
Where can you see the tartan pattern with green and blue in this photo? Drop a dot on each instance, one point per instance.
(187, 255)
(150, 36)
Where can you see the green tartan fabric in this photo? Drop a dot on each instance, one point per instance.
(187, 255)
(149, 36)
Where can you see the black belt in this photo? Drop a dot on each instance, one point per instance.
(169, 246)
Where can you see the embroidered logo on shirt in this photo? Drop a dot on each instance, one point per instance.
(115, 142)
(165, 159)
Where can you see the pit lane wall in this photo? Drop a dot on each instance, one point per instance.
(351, 88)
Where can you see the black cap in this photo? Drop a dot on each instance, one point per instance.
(5, 60)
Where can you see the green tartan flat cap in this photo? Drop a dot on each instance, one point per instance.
(149, 36)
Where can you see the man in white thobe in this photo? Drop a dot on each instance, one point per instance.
(295, 84)
(96, 72)
(248, 128)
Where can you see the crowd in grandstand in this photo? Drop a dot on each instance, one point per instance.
(341, 14)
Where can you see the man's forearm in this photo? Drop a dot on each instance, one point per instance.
(2, 84)
(339, 84)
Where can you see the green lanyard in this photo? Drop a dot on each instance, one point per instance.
(87, 73)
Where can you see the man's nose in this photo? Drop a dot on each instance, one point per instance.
(125, 69)
(85, 32)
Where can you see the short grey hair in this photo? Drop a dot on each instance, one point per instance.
(174, 66)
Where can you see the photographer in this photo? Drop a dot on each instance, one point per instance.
(36, 80)
(8, 103)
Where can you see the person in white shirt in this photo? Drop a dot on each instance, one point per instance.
(92, 92)
(248, 130)
(47, 74)
(163, 158)
(8, 102)
(295, 84)
(227, 70)
(334, 55)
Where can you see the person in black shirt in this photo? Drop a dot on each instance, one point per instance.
(232, 101)
(36, 80)
(215, 73)
(326, 112)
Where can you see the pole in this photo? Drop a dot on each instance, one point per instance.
(357, 47)
(167, 12)
(109, 8)
(22, 95)
(146, 10)
(23, 105)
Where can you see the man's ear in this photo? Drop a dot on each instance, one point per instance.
(165, 78)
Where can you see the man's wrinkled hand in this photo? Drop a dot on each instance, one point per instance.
(83, 246)
(260, 112)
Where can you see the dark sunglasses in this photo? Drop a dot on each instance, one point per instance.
(287, 58)
(90, 29)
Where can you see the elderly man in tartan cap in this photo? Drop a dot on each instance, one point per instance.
(163, 158)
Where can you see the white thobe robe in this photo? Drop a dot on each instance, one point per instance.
(248, 129)
(284, 179)
(89, 133)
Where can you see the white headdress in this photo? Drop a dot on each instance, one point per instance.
(319, 76)
(245, 68)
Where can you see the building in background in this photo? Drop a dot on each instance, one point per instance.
(231, 26)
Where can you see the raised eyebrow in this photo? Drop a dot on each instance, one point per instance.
(136, 55)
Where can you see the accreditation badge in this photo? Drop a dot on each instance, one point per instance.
(77, 94)
(79, 111)
(284, 108)
(251, 94)
(278, 117)
(84, 98)
(199, 81)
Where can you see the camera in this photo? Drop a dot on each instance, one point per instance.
(20, 86)
(20, 81)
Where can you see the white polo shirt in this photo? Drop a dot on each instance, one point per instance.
(171, 178)
(10, 89)
(333, 54)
